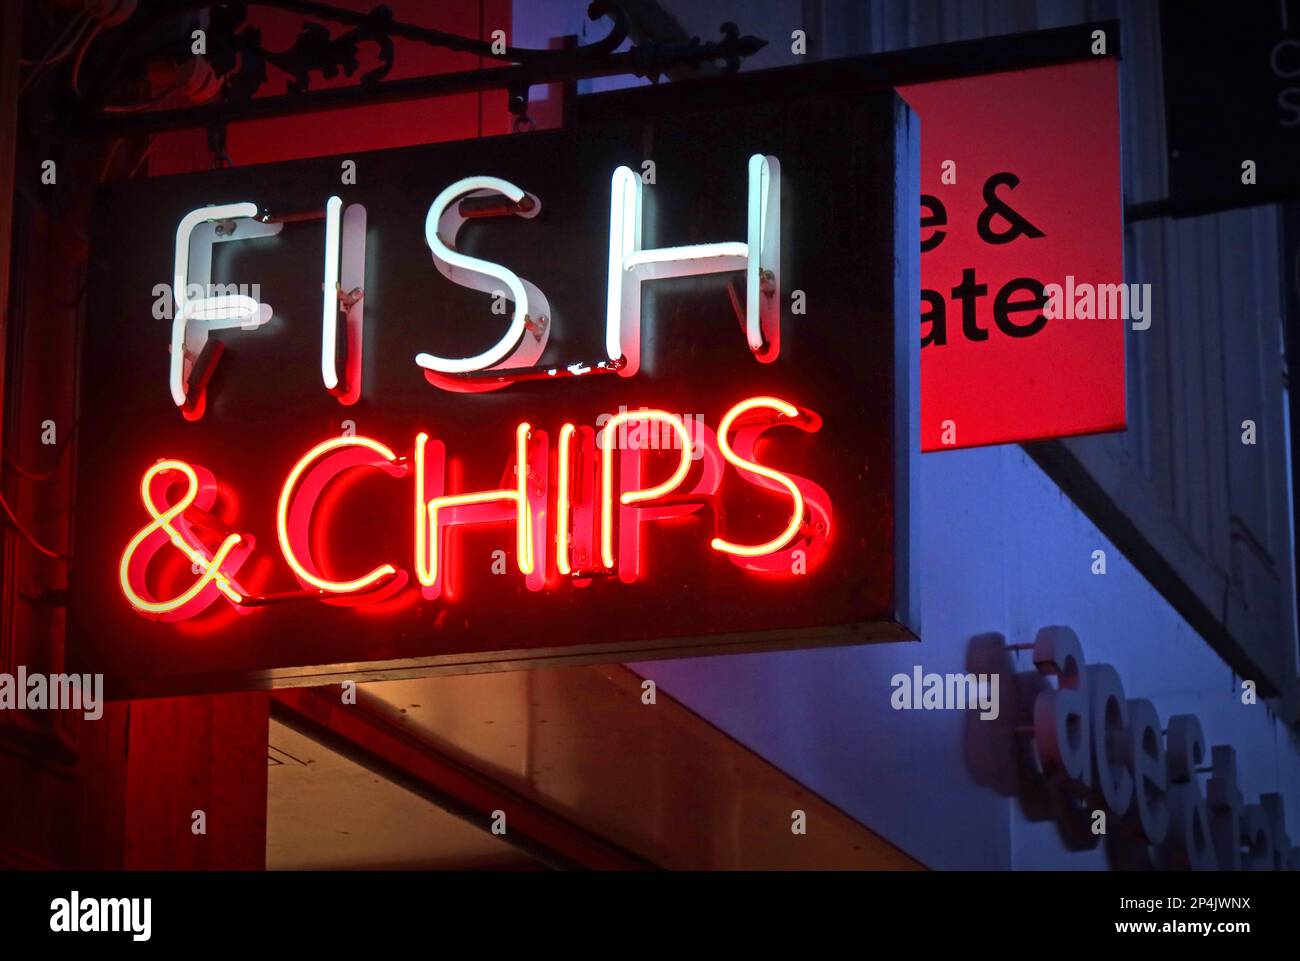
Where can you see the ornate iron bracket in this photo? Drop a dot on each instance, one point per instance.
(241, 62)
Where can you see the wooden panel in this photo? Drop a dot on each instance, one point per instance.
(146, 766)
(196, 754)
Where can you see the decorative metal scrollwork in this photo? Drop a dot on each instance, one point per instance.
(243, 64)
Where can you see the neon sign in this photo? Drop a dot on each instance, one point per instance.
(525, 340)
(176, 525)
(525, 504)
(301, 490)
(398, 449)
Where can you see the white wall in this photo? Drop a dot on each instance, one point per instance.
(1003, 551)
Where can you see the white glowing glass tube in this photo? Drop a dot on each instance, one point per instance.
(763, 308)
(180, 280)
(194, 317)
(441, 225)
(622, 326)
(330, 300)
(629, 264)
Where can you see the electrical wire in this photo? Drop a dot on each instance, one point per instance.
(53, 58)
(17, 526)
(103, 172)
(143, 157)
(108, 159)
(81, 58)
(81, 40)
(8, 459)
(70, 37)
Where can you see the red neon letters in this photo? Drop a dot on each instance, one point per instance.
(594, 492)
(523, 504)
(298, 497)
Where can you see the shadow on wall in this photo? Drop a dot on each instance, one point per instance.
(1105, 770)
(1001, 756)
(1000, 751)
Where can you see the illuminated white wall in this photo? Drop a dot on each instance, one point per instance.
(1002, 551)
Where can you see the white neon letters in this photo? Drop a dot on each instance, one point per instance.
(525, 339)
(330, 299)
(516, 354)
(630, 264)
(343, 293)
(194, 317)
(197, 311)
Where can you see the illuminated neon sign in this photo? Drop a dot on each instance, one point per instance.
(525, 504)
(525, 340)
(175, 524)
(390, 444)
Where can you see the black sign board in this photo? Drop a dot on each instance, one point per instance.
(1232, 103)
(767, 504)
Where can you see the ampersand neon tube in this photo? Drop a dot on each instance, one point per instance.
(162, 526)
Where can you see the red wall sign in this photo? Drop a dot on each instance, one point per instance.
(1023, 307)
(503, 402)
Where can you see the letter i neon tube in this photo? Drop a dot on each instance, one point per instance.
(330, 300)
(524, 525)
(608, 443)
(562, 502)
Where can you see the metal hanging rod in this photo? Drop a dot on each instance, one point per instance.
(238, 56)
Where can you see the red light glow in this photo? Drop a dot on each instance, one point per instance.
(585, 473)
(214, 569)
